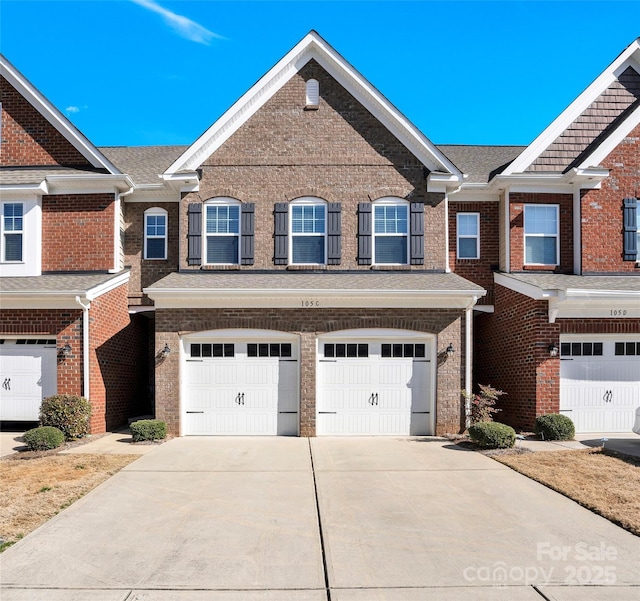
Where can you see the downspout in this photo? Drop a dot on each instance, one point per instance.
(447, 267)
(85, 347)
(468, 343)
(577, 232)
(117, 240)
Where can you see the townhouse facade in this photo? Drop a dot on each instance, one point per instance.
(314, 265)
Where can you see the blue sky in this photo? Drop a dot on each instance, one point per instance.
(140, 72)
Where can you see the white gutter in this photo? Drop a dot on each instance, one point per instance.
(85, 347)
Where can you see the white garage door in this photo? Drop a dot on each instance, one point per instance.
(27, 375)
(600, 381)
(368, 387)
(234, 386)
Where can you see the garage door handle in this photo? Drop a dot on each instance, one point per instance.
(608, 396)
(240, 398)
(7, 384)
(195, 411)
(327, 412)
(373, 399)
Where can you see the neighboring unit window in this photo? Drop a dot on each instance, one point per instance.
(155, 234)
(390, 233)
(308, 228)
(468, 228)
(313, 92)
(12, 231)
(541, 234)
(222, 233)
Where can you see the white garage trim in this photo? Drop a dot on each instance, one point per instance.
(240, 382)
(376, 382)
(600, 380)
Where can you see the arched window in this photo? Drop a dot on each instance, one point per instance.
(313, 92)
(308, 231)
(222, 231)
(155, 234)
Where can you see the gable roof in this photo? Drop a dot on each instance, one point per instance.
(313, 47)
(593, 124)
(143, 163)
(480, 163)
(70, 132)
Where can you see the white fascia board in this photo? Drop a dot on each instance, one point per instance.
(153, 193)
(554, 183)
(105, 287)
(182, 182)
(526, 289)
(312, 46)
(215, 298)
(614, 139)
(629, 57)
(40, 300)
(71, 133)
(12, 190)
(474, 193)
(575, 293)
(443, 182)
(611, 307)
(89, 184)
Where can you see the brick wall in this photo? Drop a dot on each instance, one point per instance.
(602, 222)
(479, 270)
(28, 138)
(447, 324)
(144, 272)
(118, 361)
(339, 153)
(78, 232)
(517, 200)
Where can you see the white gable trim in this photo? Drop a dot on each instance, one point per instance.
(71, 133)
(312, 46)
(630, 57)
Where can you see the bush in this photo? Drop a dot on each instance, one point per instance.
(43, 439)
(483, 403)
(554, 426)
(68, 413)
(148, 429)
(491, 435)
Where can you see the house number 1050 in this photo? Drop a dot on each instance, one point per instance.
(618, 312)
(310, 303)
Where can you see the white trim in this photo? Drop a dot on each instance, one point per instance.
(112, 284)
(485, 308)
(31, 263)
(476, 237)
(221, 201)
(86, 359)
(391, 201)
(628, 58)
(155, 212)
(55, 117)
(313, 47)
(468, 374)
(447, 262)
(539, 235)
(577, 231)
(307, 201)
(524, 288)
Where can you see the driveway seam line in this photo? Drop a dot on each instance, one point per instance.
(537, 590)
(322, 549)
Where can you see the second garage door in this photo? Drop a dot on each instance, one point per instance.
(370, 386)
(234, 386)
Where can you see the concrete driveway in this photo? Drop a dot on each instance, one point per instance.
(357, 519)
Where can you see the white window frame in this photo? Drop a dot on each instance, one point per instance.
(31, 264)
(307, 201)
(390, 201)
(156, 212)
(13, 232)
(460, 236)
(537, 235)
(221, 202)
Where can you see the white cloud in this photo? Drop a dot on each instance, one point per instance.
(181, 25)
(72, 109)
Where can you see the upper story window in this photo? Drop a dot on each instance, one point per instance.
(390, 232)
(468, 230)
(222, 232)
(155, 234)
(541, 240)
(312, 93)
(308, 232)
(12, 232)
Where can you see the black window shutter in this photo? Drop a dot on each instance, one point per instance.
(630, 229)
(281, 233)
(417, 233)
(194, 235)
(334, 233)
(247, 229)
(365, 229)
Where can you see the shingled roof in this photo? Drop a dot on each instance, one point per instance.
(143, 164)
(480, 163)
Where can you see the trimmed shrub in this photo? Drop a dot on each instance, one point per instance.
(67, 412)
(492, 435)
(554, 426)
(148, 429)
(43, 438)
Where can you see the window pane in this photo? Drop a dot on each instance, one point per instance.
(222, 219)
(307, 219)
(390, 219)
(541, 250)
(540, 220)
(391, 249)
(308, 249)
(222, 249)
(12, 213)
(329, 350)
(619, 348)
(155, 248)
(195, 350)
(13, 247)
(252, 350)
(467, 225)
(597, 348)
(468, 248)
(285, 350)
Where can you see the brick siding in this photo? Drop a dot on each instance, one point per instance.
(447, 324)
(78, 232)
(28, 138)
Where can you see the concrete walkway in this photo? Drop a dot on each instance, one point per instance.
(354, 519)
